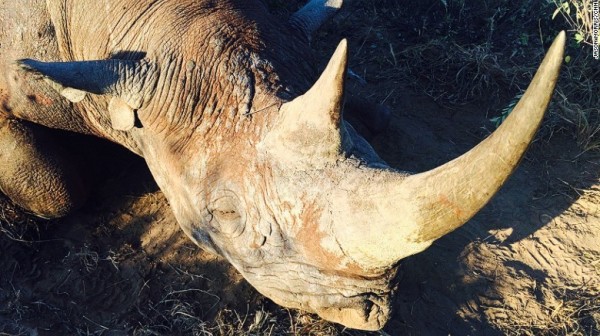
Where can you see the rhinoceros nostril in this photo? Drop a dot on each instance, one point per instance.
(258, 241)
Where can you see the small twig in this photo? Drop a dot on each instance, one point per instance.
(262, 109)
(387, 97)
(364, 41)
(96, 323)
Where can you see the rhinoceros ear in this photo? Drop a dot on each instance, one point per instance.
(310, 128)
(131, 83)
(310, 17)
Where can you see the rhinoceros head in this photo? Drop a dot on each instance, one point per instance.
(313, 218)
(303, 207)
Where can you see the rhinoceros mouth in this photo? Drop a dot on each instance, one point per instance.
(366, 311)
(354, 301)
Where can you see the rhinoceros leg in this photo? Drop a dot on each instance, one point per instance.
(35, 172)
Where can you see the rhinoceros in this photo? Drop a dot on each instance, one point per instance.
(244, 137)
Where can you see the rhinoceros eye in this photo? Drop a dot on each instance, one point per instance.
(228, 215)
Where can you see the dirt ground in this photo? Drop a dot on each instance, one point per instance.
(528, 263)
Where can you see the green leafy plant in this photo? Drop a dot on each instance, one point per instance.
(506, 111)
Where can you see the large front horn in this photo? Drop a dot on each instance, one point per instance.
(413, 211)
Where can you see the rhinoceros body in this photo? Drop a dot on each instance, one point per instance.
(244, 138)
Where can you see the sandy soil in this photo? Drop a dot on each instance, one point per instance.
(529, 263)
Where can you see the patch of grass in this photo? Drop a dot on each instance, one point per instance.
(570, 311)
(15, 224)
(577, 102)
(86, 257)
(578, 15)
(454, 74)
(467, 51)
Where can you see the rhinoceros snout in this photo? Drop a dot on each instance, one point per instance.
(365, 312)
(356, 302)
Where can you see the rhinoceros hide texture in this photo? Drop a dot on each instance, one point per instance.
(245, 138)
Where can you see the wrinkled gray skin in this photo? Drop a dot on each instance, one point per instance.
(219, 62)
(212, 95)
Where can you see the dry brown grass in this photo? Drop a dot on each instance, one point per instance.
(577, 101)
(476, 51)
(578, 15)
(15, 224)
(454, 74)
(573, 311)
